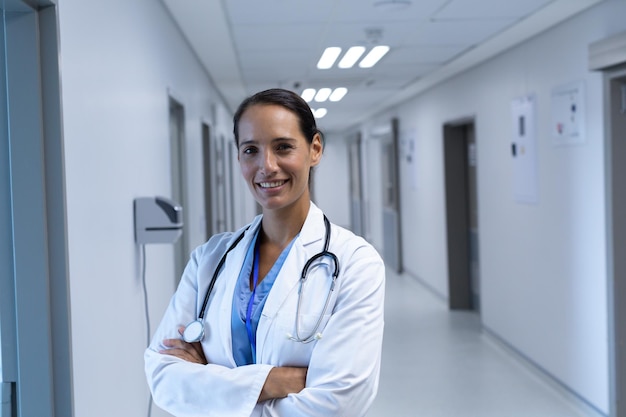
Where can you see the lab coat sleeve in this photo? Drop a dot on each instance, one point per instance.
(343, 373)
(187, 389)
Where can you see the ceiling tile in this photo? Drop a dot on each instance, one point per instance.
(243, 12)
(348, 11)
(489, 9)
(462, 32)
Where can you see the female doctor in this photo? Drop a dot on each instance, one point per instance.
(283, 317)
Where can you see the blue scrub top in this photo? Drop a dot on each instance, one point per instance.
(242, 349)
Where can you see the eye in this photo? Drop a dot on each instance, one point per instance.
(284, 147)
(248, 150)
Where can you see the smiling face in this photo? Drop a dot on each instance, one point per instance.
(275, 157)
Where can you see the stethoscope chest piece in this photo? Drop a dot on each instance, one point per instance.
(194, 332)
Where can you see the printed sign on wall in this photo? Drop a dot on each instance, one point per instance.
(568, 114)
(523, 150)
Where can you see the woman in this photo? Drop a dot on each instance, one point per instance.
(264, 343)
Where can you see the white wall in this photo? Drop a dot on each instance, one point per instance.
(332, 180)
(543, 267)
(118, 60)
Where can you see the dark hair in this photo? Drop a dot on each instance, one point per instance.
(284, 98)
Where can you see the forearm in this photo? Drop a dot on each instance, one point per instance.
(189, 389)
(282, 381)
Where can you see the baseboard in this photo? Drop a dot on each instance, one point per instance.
(543, 375)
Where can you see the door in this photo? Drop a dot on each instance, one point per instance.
(392, 250)
(231, 177)
(178, 175)
(472, 181)
(207, 165)
(8, 353)
(220, 185)
(460, 164)
(616, 218)
(356, 186)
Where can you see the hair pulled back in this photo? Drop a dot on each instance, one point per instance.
(284, 98)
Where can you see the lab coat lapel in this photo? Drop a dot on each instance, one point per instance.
(229, 276)
(288, 278)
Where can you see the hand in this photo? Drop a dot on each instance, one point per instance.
(190, 352)
(282, 381)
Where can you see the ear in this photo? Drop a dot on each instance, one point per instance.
(317, 149)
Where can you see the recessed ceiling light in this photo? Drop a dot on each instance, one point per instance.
(351, 57)
(308, 94)
(319, 113)
(329, 57)
(374, 56)
(338, 94)
(322, 94)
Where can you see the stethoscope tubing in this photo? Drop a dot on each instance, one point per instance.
(216, 274)
(199, 334)
(194, 331)
(303, 276)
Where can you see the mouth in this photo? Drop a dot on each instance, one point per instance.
(271, 184)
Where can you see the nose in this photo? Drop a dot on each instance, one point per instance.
(268, 162)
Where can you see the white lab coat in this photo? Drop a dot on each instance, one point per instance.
(343, 366)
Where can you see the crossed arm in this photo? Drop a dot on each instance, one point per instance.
(280, 381)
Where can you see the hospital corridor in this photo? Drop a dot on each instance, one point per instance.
(200, 201)
(442, 363)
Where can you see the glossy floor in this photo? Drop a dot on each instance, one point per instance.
(438, 363)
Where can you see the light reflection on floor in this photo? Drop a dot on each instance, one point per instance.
(438, 363)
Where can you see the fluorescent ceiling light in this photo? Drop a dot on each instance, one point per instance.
(351, 57)
(374, 56)
(392, 5)
(319, 113)
(308, 94)
(322, 94)
(338, 94)
(329, 57)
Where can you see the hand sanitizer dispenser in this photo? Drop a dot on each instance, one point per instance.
(157, 220)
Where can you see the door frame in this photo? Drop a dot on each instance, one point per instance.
(36, 335)
(609, 56)
(616, 240)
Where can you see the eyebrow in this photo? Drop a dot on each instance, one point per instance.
(278, 139)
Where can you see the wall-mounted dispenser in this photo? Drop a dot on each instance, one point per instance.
(157, 220)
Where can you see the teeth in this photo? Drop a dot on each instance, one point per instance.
(271, 184)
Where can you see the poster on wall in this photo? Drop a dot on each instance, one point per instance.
(523, 150)
(408, 148)
(568, 114)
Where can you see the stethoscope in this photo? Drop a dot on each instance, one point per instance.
(194, 332)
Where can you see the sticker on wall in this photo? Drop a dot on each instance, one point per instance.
(523, 150)
(568, 114)
(471, 154)
(408, 148)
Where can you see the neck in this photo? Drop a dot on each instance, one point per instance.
(279, 227)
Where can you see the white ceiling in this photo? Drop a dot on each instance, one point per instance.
(250, 45)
